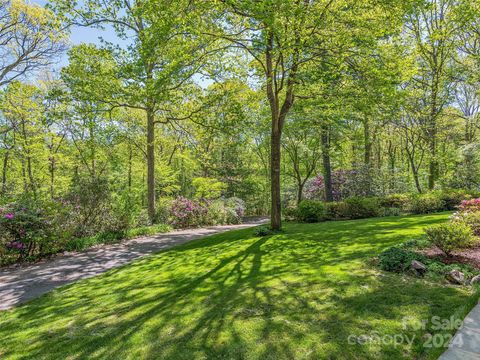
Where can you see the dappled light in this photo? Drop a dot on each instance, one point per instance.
(301, 292)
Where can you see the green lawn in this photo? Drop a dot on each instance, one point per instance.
(296, 295)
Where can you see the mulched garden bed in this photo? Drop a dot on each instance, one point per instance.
(469, 256)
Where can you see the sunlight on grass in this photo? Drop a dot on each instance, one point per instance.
(298, 294)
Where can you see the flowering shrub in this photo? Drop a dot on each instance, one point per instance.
(187, 213)
(472, 205)
(345, 184)
(469, 214)
(25, 230)
(235, 210)
(470, 218)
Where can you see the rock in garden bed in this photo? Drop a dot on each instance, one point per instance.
(475, 280)
(419, 267)
(456, 277)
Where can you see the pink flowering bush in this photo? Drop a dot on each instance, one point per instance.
(25, 230)
(187, 213)
(472, 205)
(469, 214)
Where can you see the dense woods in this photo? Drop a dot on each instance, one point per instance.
(252, 105)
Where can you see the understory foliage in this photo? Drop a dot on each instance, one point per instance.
(451, 236)
(89, 215)
(462, 231)
(389, 205)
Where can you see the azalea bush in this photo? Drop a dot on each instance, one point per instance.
(187, 213)
(425, 203)
(470, 218)
(469, 214)
(451, 236)
(462, 231)
(472, 205)
(26, 231)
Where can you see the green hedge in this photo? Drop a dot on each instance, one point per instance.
(389, 205)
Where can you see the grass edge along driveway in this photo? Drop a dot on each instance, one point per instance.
(307, 293)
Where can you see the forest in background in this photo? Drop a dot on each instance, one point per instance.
(249, 106)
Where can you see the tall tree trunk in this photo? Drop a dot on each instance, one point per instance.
(52, 175)
(414, 171)
(275, 156)
(4, 172)
(92, 148)
(151, 164)
(392, 161)
(30, 176)
(130, 161)
(432, 134)
(327, 168)
(367, 155)
(27, 156)
(279, 114)
(432, 168)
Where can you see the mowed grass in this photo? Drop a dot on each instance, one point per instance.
(297, 295)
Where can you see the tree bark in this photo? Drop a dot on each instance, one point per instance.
(301, 184)
(151, 164)
(368, 143)
(52, 175)
(130, 163)
(414, 171)
(4, 172)
(327, 168)
(432, 173)
(432, 132)
(275, 156)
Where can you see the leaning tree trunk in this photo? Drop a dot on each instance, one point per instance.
(414, 171)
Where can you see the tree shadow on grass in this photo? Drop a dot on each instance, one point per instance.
(296, 295)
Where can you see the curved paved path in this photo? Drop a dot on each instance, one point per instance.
(20, 284)
(466, 343)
